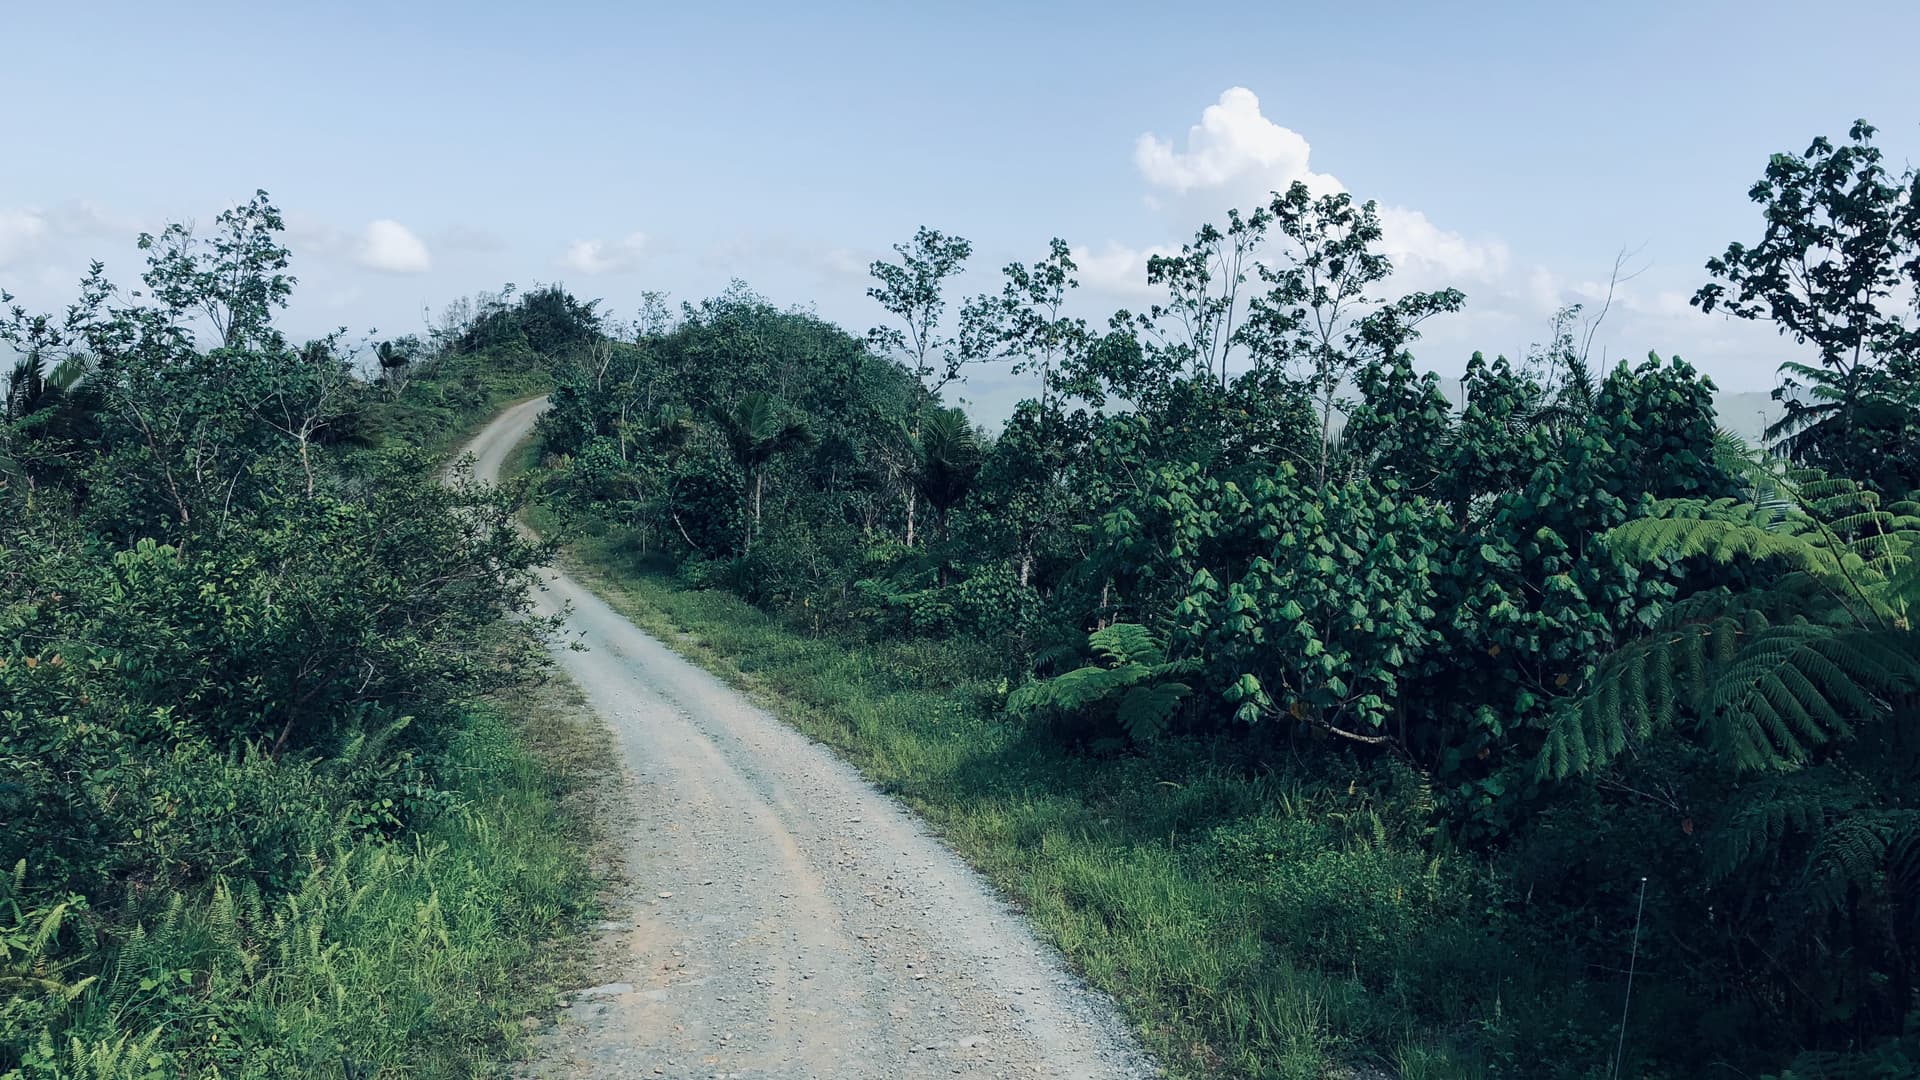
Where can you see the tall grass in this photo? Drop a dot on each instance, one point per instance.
(417, 957)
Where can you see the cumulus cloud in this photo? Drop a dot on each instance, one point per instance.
(1421, 248)
(1235, 156)
(391, 247)
(1232, 142)
(606, 256)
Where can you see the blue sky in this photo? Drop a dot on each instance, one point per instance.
(423, 151)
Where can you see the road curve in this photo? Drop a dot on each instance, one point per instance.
(785, 919)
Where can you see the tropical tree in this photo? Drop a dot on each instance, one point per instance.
(758, 430)
(911, 291)
(1321, 312)
(394, 358)
(33, 385)
(1193, 331)
(1841, 246)
(946, 457)
(235, 278)
(1027, 322)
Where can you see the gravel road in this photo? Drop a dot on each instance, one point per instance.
(783, 919)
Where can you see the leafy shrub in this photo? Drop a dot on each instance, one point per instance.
(1132, 689)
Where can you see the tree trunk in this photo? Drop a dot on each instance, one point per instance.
(1326, 429)
(306, 466)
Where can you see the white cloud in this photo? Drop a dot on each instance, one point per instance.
(389, 246)
(1118, 269)
(606, 256)
(1233, 142)
(1235, 157)
(1422, 249)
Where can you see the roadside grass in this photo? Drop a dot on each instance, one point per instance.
(418, 957)
(447, 402)
(1254, 919)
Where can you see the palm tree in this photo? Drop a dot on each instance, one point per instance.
(757, 431)
(31, 387)
(672, 427)
(393, 362)
(946, 457)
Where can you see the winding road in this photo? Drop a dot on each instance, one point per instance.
(784, 919)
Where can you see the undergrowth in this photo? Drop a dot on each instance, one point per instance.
(416, 958)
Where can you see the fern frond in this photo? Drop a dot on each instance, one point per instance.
(1769, 694)
(1797, 686)
(1635, 693)
(1123, 643)
(1146, 710)
(1847, 856)
(1769, 813)
(1722, 539)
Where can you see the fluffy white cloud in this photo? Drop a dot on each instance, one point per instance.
(1232, 143)
(389, 246)
(1235, 156)
(606, 256)
(1423, 250)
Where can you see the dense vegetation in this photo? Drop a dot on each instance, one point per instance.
(255, 817)
(1318, 717)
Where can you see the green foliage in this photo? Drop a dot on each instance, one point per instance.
(757, 431)
(1130, 682)
(235, 640)
(1133, 685)
(1779, 701)
(1773, 671)
(1607, 642)
(910, 292)
(381, 956)
(1842, 243)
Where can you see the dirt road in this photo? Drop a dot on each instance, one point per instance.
(785, 918)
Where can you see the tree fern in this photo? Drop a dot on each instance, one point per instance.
(1134, 686)
(1768, 814)
(1122, 643)
(1766, 676)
